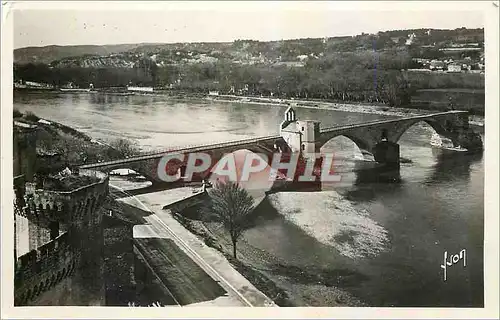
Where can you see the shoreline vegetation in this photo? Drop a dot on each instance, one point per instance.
(347, 70)
(74, 147)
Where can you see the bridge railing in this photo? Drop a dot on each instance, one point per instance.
(364, 124)
(189, 148)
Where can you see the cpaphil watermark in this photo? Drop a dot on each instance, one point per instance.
(293, 166)
(453, 259)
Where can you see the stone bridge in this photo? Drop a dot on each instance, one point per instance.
(378, 138)
(147, 164)
(306, 135)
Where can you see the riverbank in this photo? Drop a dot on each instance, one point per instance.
(287, 285)
(74, 147)
(334, 106)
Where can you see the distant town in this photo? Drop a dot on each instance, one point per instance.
(391, 67)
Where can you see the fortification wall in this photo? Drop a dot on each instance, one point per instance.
(39, 270)
(24, 149)
(70, 208)
(70, 291)
(119, 258)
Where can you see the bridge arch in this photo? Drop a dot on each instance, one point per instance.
(258, 180)
(362, 147)
(134, 170)
(345, 147)
(180, 167)
(442, 128)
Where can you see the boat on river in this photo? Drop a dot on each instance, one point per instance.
(70, 87)
(74, 90)
(140, 89)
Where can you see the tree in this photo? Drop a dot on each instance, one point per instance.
(125, 147)
(231, 205)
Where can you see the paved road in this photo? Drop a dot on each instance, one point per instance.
(179, 264)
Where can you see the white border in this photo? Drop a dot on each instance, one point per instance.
(491, 257)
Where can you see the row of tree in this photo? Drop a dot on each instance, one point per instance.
(362, 76)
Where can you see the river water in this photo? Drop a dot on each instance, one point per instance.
(394, 235)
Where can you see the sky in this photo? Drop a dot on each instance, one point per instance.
(221, 22)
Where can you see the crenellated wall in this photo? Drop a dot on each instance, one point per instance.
(69, 208)
(39, 270)
(65, 233)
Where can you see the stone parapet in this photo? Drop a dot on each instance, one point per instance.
(66, 207)
(39, 270)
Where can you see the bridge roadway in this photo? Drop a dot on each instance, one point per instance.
(222, 145)
(377, 122)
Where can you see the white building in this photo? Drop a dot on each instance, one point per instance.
(411, 38)
(452, 67)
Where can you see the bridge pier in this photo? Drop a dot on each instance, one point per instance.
(470, 140)
(387, 153)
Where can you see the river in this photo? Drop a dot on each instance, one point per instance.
(394, 235)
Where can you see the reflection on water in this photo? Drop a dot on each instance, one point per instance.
(394, 235)
(454, 165)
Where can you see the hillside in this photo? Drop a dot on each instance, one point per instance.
(286, 50)
(48, 54)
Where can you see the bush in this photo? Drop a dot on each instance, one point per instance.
(16, 113)
(30, 116)
(125, 147)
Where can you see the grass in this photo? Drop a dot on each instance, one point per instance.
(257, 278)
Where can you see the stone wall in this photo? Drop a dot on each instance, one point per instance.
(39, 270)
(78, 215)
(69, 208)
(186, 202)
(24, 150)
(118, 256)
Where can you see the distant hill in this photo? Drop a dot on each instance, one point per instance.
(286, 50)
(48, 54)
